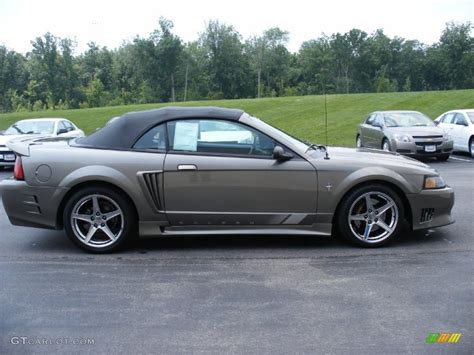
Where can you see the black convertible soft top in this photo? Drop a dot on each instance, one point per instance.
(125, 130)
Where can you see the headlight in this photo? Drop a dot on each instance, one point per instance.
(434, 182)
(405, 138)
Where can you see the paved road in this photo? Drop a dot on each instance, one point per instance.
(243, 294)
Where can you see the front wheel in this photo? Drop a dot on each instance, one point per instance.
(471, 147)
(386, 145)
(371, 216)
(99, 220)
(359, 142)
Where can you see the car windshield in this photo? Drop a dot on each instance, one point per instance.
(407, 119)
(276, 133)
(31, 127)
(471, 116)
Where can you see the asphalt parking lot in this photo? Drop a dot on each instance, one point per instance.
(283, 294)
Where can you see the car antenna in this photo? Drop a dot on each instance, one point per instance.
(326, 157)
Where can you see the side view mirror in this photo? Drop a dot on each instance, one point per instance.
(280, 154)
(62, 131)
(436, 123)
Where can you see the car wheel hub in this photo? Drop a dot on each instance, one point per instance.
(373, 217)
(97, 221)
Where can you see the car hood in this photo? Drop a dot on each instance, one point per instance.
(417, 131)
(356, 158)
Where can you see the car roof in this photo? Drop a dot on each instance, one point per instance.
(43, 119)
(462, 111)
(397, 111)
(122, 132)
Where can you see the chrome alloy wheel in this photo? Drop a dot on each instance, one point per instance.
(97, 220)
(373, 217)
(386, 146)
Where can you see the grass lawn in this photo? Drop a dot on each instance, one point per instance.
(301, 116)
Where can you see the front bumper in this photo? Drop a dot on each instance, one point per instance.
(31, 206)
(431, 208)
(420, 148)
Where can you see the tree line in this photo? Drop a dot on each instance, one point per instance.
(222, 65)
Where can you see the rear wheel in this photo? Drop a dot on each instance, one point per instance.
(99, 220)
(386, 145)
(371, 216)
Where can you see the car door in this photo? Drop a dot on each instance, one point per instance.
(366, 129)
(372, 132)
(222, 173)
(377, 132)
(460, 132)
(447, 123)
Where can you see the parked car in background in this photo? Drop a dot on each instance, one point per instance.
(459, 124)
(45, 127)
(406, 132)
(208, 170)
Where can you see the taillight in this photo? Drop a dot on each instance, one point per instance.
(18, 170)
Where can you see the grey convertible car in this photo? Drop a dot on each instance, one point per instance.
(211, 170)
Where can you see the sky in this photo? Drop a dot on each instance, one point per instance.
(109, 23)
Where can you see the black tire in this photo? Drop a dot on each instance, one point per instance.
(386, 141)
(471, 147)
(443, 157)
(125, 224)
(358, 138)
(353, 197)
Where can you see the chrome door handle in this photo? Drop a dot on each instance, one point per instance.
(187, 167)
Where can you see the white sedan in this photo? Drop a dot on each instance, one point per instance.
(49, 127)
(460, 126)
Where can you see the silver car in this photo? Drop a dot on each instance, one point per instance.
(44, 127)
(211, 170)
(406, 132)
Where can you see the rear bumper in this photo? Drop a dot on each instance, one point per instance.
(31, 206)
(432, 208)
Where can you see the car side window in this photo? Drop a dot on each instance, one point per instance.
(460, 120)
(218, 137)
(154, 139)
(448, 118)
(69, 126)
(378, 121)
(61, 127)
(370, 119)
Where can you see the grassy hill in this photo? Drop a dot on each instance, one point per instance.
(300, 116)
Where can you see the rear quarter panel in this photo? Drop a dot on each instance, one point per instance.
(71, 166)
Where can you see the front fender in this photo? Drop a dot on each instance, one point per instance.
(374, 174)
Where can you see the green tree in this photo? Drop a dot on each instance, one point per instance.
(227, 65)
(456, 47)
